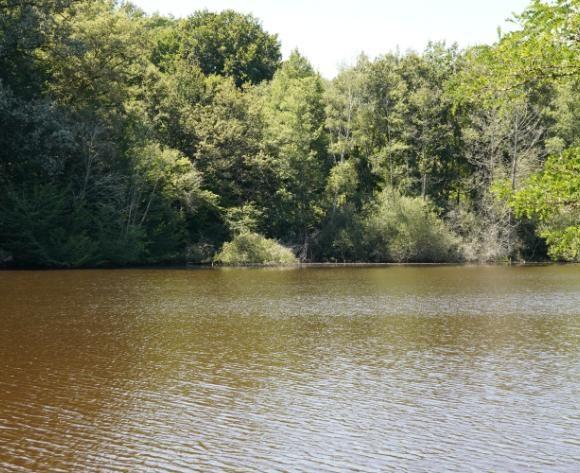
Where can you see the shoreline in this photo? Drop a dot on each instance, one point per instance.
(318, 265)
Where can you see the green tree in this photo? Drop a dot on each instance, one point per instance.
(544, 48)
(129, 138)
(230, 44)
(230, 151)
(433, 156)
(99, 63)
(294, 114)
(552, 196)
(28, 28)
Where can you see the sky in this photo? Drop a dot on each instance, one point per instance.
(332, 33)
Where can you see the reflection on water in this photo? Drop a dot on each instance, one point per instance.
(366, 369)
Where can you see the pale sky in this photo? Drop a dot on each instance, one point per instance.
(334, 32)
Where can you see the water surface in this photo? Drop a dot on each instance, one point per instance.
(318, 369)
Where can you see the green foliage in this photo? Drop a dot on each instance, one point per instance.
(543, 50)
(230, 44)
(243, 219)
(294, 117)
(171, 177)
(230, 152)
(342, 236)
(26, 29)
(98, 63)
(564, 111)
(129, 138)
(252, 248)
(552, 196)
(342, 183)
(404, 229)
(36, 225)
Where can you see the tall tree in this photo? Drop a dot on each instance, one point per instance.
(230, 44)
(552, 196)
(294, 114)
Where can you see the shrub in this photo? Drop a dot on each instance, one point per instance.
(486, 233)
(407, 229)
(252, 248)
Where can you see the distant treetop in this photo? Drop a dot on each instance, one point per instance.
(230, 44)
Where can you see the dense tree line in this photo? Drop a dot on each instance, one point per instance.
(127, 138)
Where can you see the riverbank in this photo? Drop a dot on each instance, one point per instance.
(314, 265)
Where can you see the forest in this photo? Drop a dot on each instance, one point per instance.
(128, 138)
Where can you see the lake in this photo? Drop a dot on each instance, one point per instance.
(430, 368)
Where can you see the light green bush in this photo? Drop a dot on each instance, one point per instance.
(407, 229)
(252, 248)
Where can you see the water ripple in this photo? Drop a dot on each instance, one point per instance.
(380, 369)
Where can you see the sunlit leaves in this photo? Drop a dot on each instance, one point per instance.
(552, 196)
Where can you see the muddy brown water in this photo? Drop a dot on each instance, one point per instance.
(317, 369)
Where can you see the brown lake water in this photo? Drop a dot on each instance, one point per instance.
(443, 368)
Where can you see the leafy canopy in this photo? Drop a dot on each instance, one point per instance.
(552, 196)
